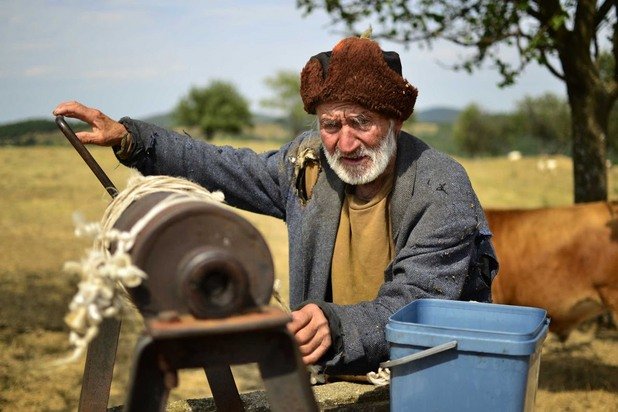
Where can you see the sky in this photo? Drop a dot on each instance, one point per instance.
(139, 58)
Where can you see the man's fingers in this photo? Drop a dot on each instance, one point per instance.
(312, 350)
(312, 342)
(299, 320)
(311, 332)
(88, 137)
(315, 355)
(78, 111)
(70, 109)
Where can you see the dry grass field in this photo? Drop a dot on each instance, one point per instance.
(41, 188)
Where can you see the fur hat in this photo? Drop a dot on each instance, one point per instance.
(358, 71)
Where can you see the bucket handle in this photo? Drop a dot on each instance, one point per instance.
(420, 355)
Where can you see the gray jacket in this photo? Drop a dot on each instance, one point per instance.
(442, 240)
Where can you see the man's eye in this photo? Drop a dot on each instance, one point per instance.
(360, 122)
(331, 127)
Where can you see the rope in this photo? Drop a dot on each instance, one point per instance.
(105, 275)
(381, 377)
(278, 298)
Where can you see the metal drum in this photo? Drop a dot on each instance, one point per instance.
(201, 259)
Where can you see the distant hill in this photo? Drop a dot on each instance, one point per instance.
(437, 115)
(28, 126)
(163, 120)
(31, 132)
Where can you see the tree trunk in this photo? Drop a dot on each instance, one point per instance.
(589, 124)
(590, 103)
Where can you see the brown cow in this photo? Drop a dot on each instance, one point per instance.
(563, 259)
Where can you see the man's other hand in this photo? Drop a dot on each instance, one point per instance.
(310, 328)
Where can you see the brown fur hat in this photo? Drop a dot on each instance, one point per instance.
(358, 71)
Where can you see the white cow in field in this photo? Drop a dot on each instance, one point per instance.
(514, 156)
(547, 165)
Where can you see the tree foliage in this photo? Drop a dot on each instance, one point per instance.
(572, 39)
(285, 86)
(218, 107)
(538, 125)
(473, 134)
(478, 133)
(547, 119)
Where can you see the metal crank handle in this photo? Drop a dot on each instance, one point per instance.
(85, 154)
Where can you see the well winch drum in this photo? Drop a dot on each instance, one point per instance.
(200, 259)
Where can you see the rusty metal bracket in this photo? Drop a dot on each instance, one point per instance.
(215, 344)
(99, 367)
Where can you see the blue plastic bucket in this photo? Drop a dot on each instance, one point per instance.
(464, 356)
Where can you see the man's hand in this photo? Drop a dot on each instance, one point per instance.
(105, 131)
(310, 328)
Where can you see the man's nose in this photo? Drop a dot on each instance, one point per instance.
(348, 141)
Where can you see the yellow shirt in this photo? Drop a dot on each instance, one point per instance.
(363, 247)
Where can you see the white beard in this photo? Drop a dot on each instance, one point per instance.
(365, 173)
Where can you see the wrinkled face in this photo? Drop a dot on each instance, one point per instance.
(359, 143)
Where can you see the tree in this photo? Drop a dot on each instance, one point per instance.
(612, 140)
(285, 86)
(567, 37)
(607, 66)
(546, 119)
(477, 132)
(215, 108)
(472, 133)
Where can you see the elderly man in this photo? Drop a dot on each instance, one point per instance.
(376, 218)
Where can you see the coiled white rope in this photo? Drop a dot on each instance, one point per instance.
(381, 377)
(105, 275)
